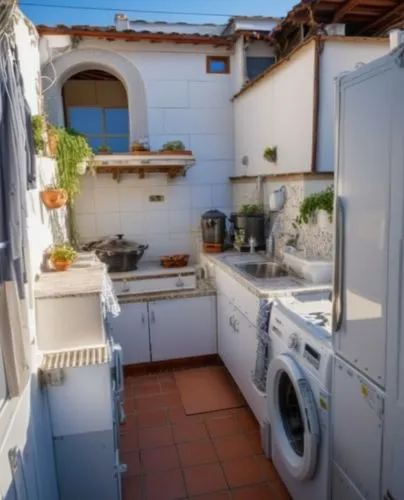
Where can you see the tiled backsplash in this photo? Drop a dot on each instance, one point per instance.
(106, 208)
(315, 239)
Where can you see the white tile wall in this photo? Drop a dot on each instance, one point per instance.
(183, 103)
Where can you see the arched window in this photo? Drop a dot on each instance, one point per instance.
(96, 104)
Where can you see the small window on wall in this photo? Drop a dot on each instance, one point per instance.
(257, 65)
(218, 65)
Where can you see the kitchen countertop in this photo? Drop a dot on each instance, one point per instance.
(203, 288)
(85, 277)
(262, 287)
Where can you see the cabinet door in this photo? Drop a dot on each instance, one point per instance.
(131, 330)
(182, 328)
(226, 333)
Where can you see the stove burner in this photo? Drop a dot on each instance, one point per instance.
(316, 318)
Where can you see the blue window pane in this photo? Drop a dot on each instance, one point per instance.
(95, 143)
(116, 121)
(86, 120)
(256, 65)
(118, 144)
(217, 66)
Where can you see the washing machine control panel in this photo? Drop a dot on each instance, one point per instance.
(312, 356)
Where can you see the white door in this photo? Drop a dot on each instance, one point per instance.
(364, 148)
(131, 330)
(182, 328)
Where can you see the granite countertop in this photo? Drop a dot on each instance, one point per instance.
(85, 277)
(262, 287)
(203, 288)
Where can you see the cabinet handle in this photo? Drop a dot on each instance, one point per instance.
(231, 322)
(152, 317)
(143, 319)
(179, 283)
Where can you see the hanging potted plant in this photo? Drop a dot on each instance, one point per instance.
(104, 150)
(53, 136)
(62, 257)
(54, 197)
(271, 154)
(175, 148)
(317, 208)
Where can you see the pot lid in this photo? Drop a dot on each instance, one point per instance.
(116, 243)
(213, 214)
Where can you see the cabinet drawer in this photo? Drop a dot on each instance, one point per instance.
(150, 285)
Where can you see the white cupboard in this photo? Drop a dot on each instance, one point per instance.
(182, 328)
(166, 329)
(131, 330)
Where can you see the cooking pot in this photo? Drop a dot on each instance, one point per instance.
(117, 253)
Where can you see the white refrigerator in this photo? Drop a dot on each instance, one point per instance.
(368, 303)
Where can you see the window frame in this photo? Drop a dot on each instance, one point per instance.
(103, 136)
(225, 59)
(258, 57)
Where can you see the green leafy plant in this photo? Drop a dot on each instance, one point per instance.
(38, 123)
(322, 200)
(173, 146)
(104, 149)
(271, 154)
(63, 252)
(251, 209)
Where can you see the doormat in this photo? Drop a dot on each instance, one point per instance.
(207, 389)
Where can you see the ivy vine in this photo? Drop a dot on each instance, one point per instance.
(72, 149)
(323, 200)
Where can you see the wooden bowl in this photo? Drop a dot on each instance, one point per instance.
(180, 260)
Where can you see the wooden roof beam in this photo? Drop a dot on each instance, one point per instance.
(345, 9)
(383, 19)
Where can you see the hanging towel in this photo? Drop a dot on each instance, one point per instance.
(263, 349)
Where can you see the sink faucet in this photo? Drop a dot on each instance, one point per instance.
(253, 244)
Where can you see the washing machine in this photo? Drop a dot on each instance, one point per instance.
(299, 402)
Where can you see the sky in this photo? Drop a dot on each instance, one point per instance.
(200, 11)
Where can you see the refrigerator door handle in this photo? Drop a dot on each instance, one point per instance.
(338, 302)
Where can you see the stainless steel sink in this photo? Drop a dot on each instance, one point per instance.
(263, 269)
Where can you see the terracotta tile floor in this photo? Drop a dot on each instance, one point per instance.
(172, 456)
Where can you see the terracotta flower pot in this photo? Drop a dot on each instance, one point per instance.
(54, 198)
(177, 152)
(137, 147)
(61, 265)
(52, 144)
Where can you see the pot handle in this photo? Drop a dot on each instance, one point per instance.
(142, 248)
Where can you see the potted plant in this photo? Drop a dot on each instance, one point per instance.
(104, 150)
(271, 154)
(249, 221)
(137, 146)
(54, 197)
(38, 128)
(62, 257)
(312, 206)
(175, 148)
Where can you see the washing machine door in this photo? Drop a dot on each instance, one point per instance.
(293, 417)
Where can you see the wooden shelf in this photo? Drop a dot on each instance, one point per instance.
(118, 164)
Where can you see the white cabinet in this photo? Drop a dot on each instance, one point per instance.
(182, 328)
(226, 333)
(131, 330)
